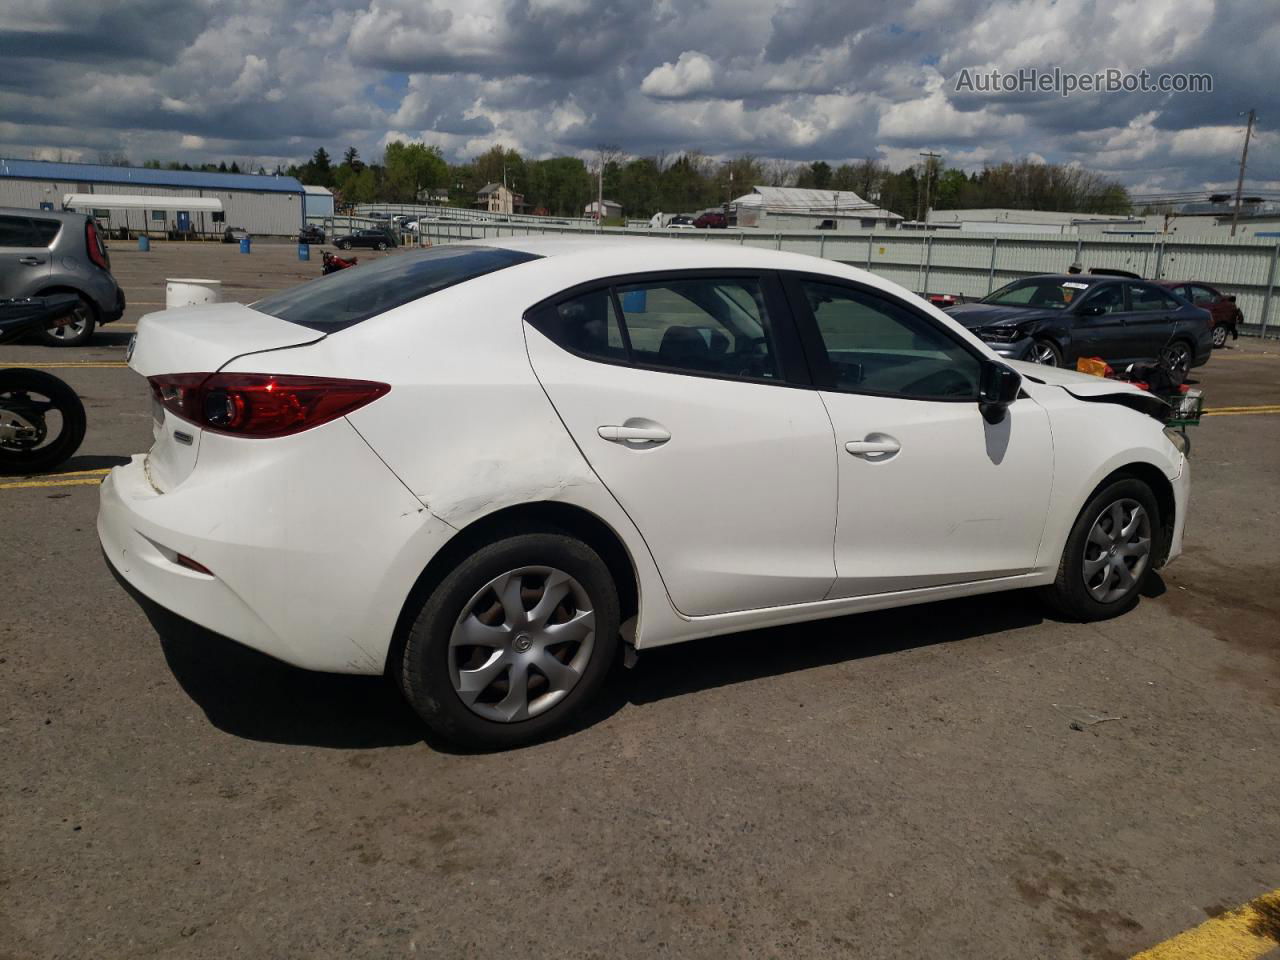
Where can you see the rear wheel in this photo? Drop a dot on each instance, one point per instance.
(1109, 553)
(76, 331)
(379, 245)
(1046, 352)
(513, 642)
(1220, 336)
(1176, 358)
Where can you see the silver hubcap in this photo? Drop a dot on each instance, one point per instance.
(72, 328)
(1117, 551)
(1043, 353)
(1219, 336)
(522, 643)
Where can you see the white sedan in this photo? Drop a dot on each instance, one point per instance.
(489, 469)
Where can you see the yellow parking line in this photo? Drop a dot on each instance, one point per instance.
(73, 482)
(1235, 411)
(96, 472)
(1241, 934)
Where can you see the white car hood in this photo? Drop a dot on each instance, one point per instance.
(1085, 386)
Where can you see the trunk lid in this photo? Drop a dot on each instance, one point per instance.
(199, 339)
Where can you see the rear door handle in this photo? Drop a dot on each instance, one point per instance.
(635, 434)
(30, 261)
(877, 446)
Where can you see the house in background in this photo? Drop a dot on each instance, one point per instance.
(800, 208)
(612, 210)
(499, 198)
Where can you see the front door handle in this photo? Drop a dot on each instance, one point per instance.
(649, 433)
(876, 447)
(30, 261)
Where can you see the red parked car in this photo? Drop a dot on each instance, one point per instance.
(1222, 307)
(713, 219)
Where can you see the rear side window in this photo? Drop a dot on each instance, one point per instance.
(43, 232)
(351, 296)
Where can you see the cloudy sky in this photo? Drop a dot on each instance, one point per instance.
(268, 80)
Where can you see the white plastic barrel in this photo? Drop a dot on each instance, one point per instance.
(190, 292)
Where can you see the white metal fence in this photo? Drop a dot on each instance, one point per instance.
(972, 265)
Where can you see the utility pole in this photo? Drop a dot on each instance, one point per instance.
(1244, 156)
(928, 174)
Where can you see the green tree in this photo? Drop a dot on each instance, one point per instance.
(410, 168)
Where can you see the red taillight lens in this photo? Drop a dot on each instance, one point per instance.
(261, 404)
(93, 243)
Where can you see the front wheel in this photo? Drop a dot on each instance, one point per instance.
(379, 245)
(513, 642)
(344, 245)
(1220, 336)
(42, 421)
(1046, 353)
(1109, 553)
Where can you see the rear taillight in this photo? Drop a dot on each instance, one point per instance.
(93, 243)
(261, 404)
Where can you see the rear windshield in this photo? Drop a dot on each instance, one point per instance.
(347, 297)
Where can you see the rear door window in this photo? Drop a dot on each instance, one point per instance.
(351, 296)
(1144, 298)
(15, 232)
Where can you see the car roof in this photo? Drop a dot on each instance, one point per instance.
(593, 255)
(55, 214)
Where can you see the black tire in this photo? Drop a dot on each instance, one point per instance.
(425, 670)
(85, 314)
(14, 459)
(1220, 335)
(379, 245)
(1069, 594)
(1049, 348)
(344, 244)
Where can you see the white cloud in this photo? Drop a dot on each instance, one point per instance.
(692, 73)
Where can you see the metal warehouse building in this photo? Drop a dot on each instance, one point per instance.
(264, 205)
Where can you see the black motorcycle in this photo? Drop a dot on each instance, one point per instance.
(42, 421)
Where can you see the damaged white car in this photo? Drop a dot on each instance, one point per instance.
(490, 469)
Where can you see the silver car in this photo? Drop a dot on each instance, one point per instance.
(46, 251)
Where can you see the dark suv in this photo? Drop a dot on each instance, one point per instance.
(44, 252)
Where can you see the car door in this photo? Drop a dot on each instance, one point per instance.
(676, 389)
(24, 257)
(930, 493)
(1099, 334)
(1150, 321)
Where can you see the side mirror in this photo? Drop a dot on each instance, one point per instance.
(998, 389)
(1091, 310)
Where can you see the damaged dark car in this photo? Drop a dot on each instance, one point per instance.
(1056, 319)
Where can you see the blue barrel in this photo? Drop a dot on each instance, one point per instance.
(633, 301)
(304, 251)
(244, 244)
(144, 243)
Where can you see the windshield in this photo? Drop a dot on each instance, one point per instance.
(1040, 293)
(357, 293)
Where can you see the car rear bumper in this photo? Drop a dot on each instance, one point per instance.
(312, 546)
(117, 308)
